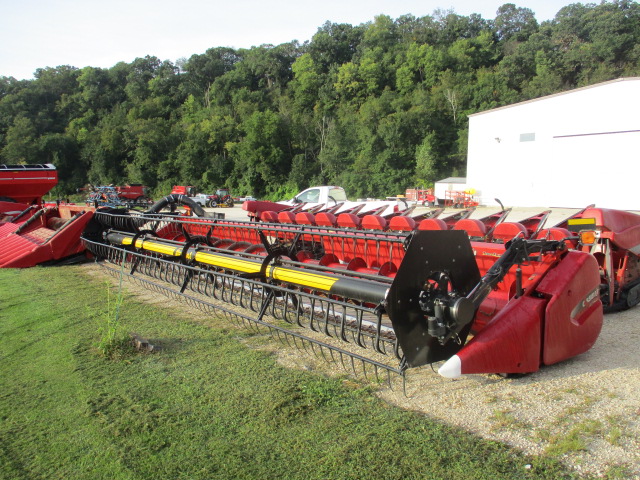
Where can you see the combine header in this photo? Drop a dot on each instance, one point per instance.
(420, 293)
(31, 233)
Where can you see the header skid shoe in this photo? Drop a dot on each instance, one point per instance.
(429, 291)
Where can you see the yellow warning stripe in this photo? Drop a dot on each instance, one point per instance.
(236, 264)
(154, 247)
(305, 279)
(581, 221)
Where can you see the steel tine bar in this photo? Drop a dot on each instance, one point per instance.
(204, 280)
(378, 345)
(396, 350)
(312, 309)
(304, 345)
(337, 329)
(295, 343)
(314, 350)
(323, 354)
(342, 361)
(241, 300)
(375, 369)
(296, 301)
(273, 332)
(358, 340)
(364, 370)
(286, 337)
(343, 321)
(353, 366)
(333, 359)
(285, 308)
(277, 334)
(326, 321)
(299, 310)
(388, 382)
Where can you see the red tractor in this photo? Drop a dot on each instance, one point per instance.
(222, 198)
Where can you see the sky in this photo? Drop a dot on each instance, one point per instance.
(100, 33)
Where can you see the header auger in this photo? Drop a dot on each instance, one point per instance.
(419, 297)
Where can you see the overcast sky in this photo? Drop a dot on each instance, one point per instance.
(48, 33)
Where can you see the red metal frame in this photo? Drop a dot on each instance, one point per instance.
(27, 183)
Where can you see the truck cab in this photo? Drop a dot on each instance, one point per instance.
(331, 195)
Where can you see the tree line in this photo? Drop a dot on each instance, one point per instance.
(376, 107)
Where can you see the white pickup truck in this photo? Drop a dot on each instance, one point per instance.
(327, 195)
(201, 199)
(331, 195)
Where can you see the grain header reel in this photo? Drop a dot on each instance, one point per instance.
(383, 301)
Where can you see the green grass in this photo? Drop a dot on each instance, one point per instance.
(204, 407)
(505, 419)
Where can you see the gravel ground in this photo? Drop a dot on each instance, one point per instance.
(586, 411)
(594, 398)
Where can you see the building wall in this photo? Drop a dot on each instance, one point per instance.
(566, 150)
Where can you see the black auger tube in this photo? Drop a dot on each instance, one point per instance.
(351, 288)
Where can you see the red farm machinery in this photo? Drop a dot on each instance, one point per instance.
(133, 195)
(384, 294)
(423, 196)
(452, 198)
(32, 232)
(222, 198)
(459, 199)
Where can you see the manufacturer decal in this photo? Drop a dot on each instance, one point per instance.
(591, 298)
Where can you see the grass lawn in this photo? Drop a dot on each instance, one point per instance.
(204, 407)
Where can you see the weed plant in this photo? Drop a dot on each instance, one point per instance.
(114, 341)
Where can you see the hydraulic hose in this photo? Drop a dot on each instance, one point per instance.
(180, 199)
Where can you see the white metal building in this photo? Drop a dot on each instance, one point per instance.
(570, 149)
(441, 187)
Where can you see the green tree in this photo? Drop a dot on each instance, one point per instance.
(515, 23)
(21, 142)
(260, 160)
(426, 171)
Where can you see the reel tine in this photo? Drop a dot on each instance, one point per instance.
(313, 350)
(375, 369)
(323, 355)
(286, 337)
(303, 343)
(353, 366)
(364, 371)
(342, 362)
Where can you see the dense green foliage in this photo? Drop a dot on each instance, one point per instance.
(205, 407)
(376, 107)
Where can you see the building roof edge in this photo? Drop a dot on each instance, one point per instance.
(595, 85)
